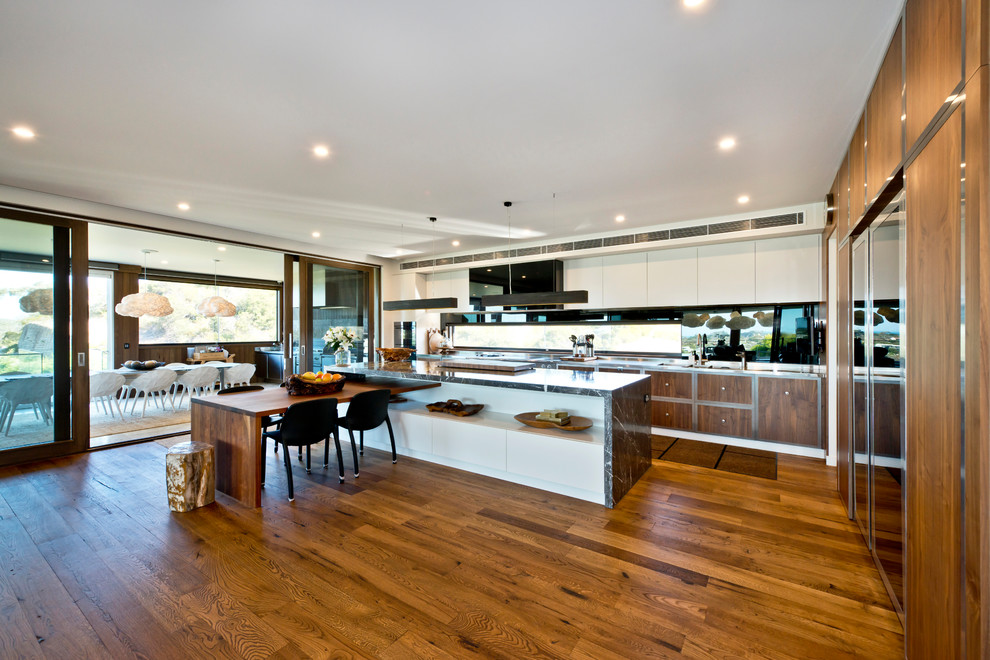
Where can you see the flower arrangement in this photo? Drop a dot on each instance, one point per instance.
(340, 338)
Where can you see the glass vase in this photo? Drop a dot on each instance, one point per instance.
(342, 358)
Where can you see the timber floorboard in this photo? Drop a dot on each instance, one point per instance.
(417, 560)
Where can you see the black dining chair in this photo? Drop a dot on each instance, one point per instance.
(367, 411)
(303, 425)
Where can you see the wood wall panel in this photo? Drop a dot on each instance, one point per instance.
(977, 449)
(933, 402)
(125, 328)
(842, 198)
(933, 58)
(857, 174)
(883, 121)
(843, 268)
(977, 36)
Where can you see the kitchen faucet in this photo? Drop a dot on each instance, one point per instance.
(742, 355)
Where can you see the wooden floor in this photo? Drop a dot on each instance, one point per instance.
(420, 561)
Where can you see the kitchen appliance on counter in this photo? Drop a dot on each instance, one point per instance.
(582, 347)
(404, 334)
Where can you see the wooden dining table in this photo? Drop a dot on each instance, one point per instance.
(232, 424)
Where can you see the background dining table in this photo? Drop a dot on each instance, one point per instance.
(131, 374)
(232, 424)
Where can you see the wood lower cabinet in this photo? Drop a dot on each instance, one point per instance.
(788, 411)
(673, 415)
(725, 389)
(672, 384)
(719, 420)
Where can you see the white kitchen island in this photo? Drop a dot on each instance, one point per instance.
(598, 465)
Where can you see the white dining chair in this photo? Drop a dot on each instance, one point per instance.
(34, 391)
(103, 387)
(239, 374)
(153, 385)
(199, 380)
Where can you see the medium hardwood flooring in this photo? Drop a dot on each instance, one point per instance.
(416, 560)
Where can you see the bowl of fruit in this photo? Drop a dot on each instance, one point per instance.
(313, 383)
(146, 365)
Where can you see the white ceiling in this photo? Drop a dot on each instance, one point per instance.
(123, 246)
(434, 107)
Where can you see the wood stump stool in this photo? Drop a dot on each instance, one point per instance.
(190, 476)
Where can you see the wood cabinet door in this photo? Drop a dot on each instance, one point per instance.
(883, 121)
(788, 411)
(932, 59)
(857, 174)
(672, 415)
(671, 384)
(719, 420)
(725, 389)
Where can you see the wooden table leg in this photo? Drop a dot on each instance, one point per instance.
(236, 439)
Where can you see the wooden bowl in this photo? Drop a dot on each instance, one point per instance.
(296, 386)
(395, 354)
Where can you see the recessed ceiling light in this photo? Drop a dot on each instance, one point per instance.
(620, 218)
(524, 277)
(164, 262)
(221, 248)
(183, 206)
(693, 4)
(743, 199)
(489, 270)
(455, 243)
(726, 143)
(316, 234)
(903, 117)
(45, 261)
(321, 151)
(22, 132)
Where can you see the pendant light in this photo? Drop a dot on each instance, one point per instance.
(535, 299)
(215, 305)
(144, 303)
(423, 303)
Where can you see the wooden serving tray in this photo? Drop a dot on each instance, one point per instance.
(466, 410)
(577, 423)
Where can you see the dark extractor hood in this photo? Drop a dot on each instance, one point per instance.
(535, 283)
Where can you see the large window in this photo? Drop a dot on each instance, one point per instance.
(662, 338)
(256, 319)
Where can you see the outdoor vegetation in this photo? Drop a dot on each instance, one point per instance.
(256, 319)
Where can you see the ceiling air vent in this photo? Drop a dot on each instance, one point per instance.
(651, 236)
(689, 232)
(767, 222)
(627, 239)
(778, 220)
(727, 227)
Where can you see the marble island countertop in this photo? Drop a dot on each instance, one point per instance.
(638, 364)
(588, 383)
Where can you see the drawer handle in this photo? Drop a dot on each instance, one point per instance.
(666, 384)
(786, 393)
(723, 421)
(666, 414)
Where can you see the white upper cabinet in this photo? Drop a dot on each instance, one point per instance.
(672, 277)
(585, 275)
(624, 280)
(451, 283)
(788, 269)
(726, 273)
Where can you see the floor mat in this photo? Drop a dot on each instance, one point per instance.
(739, 460)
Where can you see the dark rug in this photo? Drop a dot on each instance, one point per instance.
(740, 460)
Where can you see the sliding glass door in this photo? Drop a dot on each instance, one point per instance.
(333, 295)
(43, 336)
